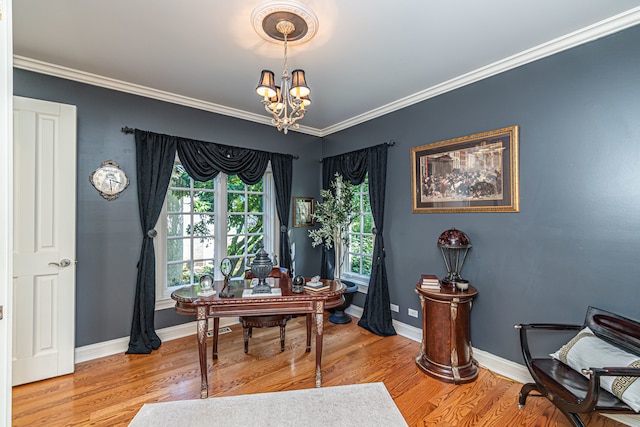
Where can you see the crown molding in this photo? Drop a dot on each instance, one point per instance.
(598, 30)
(42, 67)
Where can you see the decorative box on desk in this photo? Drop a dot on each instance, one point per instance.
(445, 351)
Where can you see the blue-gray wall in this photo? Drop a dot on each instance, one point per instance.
(108, 232)
(576, 240)
(574, 243)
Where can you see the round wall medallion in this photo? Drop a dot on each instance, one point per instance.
(266, 16)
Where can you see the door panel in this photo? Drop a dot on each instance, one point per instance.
(44, 236)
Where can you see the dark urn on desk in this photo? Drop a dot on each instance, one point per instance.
(261, 267)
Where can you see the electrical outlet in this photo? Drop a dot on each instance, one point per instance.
(394, 307)
(413, 313)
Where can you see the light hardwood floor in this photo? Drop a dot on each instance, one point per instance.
(110, 391)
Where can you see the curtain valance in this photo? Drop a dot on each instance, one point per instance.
(204, 160)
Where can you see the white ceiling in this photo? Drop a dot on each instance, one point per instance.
(368, 58)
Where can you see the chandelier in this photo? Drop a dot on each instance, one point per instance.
(284, 21)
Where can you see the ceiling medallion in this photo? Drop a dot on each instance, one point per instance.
(266, 16)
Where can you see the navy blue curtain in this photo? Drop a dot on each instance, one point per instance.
(282, 166)
(354, 166)
(376, 316)
(155, 155)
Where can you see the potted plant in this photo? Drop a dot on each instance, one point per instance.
(334, 214)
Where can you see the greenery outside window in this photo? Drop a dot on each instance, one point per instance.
(245, 223)
(204, 222)
(360, 238)
(190, 228)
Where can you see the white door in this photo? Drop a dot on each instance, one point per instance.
(44, 203)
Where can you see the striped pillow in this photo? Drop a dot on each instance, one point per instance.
(585, 351)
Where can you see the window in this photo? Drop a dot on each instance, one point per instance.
(204, 222)
(360, 237)
(245, 223)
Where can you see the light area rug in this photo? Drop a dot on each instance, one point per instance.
(356, 405)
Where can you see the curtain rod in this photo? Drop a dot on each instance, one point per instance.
(127, 129)
(390, 143)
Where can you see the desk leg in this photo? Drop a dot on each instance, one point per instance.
(202, 350)
(309, 320)
(319, 333)
(216, 328)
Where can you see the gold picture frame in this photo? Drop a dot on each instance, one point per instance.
(303, 209)
(474, 173)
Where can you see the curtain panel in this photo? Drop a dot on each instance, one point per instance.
(282, 167)
(154, 162)
(354, 166)
(155, 155)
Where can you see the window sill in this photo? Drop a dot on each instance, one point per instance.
(165, 303)
(361, 281)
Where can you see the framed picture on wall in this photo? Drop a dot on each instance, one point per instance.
(474, 173)
(303, 211)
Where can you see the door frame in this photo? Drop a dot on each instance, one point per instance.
(6, 207)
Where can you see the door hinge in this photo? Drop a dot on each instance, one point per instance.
(1, 313)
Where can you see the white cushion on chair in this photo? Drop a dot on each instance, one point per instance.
(586, 350)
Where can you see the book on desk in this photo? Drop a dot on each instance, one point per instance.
(316, 286)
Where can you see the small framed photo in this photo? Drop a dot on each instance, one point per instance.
(303, 211)
(474, 173)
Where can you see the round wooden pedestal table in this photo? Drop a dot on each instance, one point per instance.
(446, 352)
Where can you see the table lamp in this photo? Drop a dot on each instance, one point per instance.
(454, 245)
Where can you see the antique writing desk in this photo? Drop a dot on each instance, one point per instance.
(188, 302)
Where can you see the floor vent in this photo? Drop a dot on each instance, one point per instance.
(220, 331)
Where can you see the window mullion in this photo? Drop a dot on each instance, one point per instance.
(220, 228)
(245, 216)
(270, 216)
(192, 237)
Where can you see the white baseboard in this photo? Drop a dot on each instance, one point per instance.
(120, 345)
(402, 329)
(499, 365)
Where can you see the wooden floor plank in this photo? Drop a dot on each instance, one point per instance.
(110, 391)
